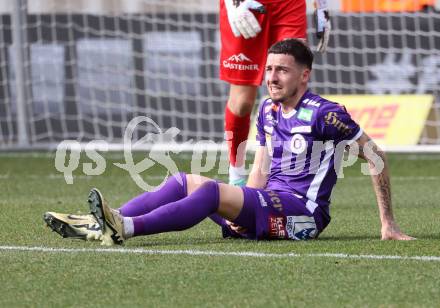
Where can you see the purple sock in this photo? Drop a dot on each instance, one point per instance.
(148, 201)
(182, 214)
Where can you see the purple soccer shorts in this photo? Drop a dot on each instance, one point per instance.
(270, 214)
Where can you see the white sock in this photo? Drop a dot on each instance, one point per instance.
(128, 227)
(237, 173)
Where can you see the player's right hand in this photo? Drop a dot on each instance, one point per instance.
(241, 19)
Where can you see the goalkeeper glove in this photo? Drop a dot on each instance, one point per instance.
(241, 19)
(323, 26)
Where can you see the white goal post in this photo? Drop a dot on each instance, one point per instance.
(81, 70)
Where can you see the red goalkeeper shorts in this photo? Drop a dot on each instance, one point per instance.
(242, 61)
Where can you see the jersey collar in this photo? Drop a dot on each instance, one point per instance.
(294, 110)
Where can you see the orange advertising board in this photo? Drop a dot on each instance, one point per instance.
(385, 5)
(388, 119)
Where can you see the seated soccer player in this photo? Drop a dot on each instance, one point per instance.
(287, 196)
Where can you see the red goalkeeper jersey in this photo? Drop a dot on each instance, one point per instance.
(242, 60)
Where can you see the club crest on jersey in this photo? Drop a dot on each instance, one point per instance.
(305, 114)
(298, 144)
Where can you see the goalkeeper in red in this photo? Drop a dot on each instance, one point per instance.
(302, 137)
(248, 28)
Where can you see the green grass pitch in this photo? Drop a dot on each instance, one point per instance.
(30, 185)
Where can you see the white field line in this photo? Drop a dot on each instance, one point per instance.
(219, 253)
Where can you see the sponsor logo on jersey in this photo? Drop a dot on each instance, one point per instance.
(331, 118)
(263, 202)
(310, 102)
(301, 129)
(276, 227)
(240, 62)
(269, 118)
(300, 227)
(305, 114)
(275, 200)
(241, 57)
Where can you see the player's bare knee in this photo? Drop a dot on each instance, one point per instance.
(242, 99)
(242, 108)
(194, 181)
(231, 201)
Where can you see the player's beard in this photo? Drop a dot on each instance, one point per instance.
(285, 98)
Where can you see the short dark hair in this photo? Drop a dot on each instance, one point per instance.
(296, 48)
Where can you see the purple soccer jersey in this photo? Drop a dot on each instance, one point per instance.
(305, 146)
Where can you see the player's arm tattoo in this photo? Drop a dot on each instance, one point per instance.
(378, 166)
(382, 187)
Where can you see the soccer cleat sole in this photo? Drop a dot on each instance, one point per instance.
(62, 228)
(95, 201)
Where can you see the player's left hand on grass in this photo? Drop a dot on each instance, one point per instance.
(323, 27)
(392, 232)
(241, 19)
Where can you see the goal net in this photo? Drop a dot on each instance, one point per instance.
(81, 70)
